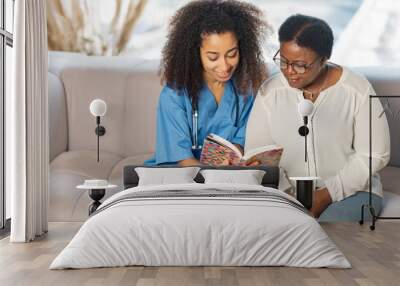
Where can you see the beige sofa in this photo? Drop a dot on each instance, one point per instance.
(130, 87)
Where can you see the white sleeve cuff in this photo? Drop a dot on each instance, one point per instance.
(284, 183)
(335, 188)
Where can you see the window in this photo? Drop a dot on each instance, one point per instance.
(6, 44)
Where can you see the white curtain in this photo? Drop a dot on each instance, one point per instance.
(27, 153)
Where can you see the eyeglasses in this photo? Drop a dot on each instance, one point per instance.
(296, 66)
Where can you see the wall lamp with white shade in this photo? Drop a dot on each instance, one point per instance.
(305, 109)
(98, 108)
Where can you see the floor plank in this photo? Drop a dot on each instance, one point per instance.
(374, 255)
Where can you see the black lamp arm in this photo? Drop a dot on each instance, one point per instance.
(303, 131)
(100, 131)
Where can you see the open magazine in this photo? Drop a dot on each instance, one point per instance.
(219, 151)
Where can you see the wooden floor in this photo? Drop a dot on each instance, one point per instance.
(374, 255)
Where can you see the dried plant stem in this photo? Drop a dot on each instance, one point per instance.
(133, 14)
(74, 32)
(116, 16)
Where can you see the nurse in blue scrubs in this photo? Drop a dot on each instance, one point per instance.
(212, 65)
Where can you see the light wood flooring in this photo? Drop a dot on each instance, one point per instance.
(374, 255)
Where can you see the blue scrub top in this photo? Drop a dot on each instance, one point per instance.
(174, 122)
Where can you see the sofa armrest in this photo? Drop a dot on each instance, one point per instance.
(58, 129)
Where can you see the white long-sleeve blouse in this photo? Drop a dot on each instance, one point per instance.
(338, 142)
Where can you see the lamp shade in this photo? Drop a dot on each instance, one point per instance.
(98, 107)
(305, 107)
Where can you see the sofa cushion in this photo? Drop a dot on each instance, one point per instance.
(67, 171)
(131, 92)
(140, 114)
(390, 177)
(118, 170)
(85, 163)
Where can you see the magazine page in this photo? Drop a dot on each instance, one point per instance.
(267, 155)
(215, 154)
(225, 143)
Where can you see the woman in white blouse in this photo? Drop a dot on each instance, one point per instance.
(338, 142)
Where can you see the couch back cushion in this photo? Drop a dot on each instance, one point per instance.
(130, 87)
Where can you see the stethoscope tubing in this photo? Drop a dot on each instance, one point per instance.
(195, 120)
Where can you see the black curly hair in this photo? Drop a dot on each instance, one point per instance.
(308, 32)
(181, 66)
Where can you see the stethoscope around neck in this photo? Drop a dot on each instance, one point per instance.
(195, 120)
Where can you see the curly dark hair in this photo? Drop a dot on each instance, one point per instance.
(181, 66)
(308, 32)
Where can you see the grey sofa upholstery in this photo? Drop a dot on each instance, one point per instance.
(131, 88)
